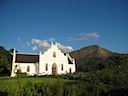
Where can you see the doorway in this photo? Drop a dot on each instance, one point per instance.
(54, 69)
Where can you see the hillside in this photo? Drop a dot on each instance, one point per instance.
(94, 58)
(90, 52)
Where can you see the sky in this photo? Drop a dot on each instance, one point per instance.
(31, 25)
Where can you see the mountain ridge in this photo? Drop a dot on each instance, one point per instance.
(90, 52)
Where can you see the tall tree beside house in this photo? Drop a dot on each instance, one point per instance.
(5, 62)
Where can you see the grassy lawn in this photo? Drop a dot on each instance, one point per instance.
(12, 83)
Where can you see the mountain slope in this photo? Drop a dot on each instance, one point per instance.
(91, 51)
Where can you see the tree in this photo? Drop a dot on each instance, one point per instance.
(5, 62)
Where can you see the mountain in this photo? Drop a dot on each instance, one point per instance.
(93, 51)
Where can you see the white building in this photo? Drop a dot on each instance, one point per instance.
(53, 61)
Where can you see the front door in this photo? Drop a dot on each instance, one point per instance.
(54, 70)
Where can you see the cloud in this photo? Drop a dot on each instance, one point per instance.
(41, 43)
(44, 44)
(64, 48)
(71, 39)
(84, 37)
(27, 44)
(92, 36)
(35, 47)
(18, 39)
(52, 39)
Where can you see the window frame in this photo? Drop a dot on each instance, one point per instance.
(54, 54)
(62, 67)
(46, 67)
(28, 68)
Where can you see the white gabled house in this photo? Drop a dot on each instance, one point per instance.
(53, 61)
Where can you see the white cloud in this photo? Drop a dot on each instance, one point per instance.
(64, 48)
(43, 44)
(35, 47)
(91, 36)
(84, 37)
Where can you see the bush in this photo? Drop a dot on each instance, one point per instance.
(58, 88)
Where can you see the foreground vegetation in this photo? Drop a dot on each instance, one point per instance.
(66, 85)
(38, 86)
(8, 82)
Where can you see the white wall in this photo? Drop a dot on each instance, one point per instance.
(48, 58)
(72, 67)
(24, 66)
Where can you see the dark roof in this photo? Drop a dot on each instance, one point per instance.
(27, 58)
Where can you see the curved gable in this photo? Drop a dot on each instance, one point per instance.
(53, 52)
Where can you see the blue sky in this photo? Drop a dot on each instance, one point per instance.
(30, 25)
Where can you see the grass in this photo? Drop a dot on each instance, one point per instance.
(10, 84)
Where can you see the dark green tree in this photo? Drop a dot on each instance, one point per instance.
(5, 62)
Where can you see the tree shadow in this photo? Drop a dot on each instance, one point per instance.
(118, 92)
(4, 93)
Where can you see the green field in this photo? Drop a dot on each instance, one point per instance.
(12, 84)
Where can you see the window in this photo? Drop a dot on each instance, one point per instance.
(54, 54)
(28, 68)
(61, 66)
(70, 70)
(46, 67)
